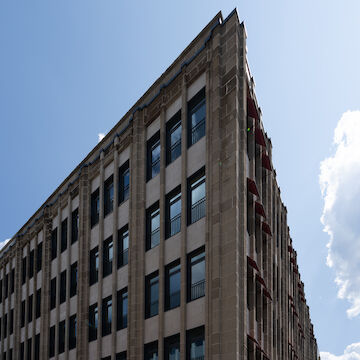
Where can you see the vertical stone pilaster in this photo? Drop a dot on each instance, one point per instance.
(68, 277)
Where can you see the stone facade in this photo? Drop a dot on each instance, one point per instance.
(253, 306)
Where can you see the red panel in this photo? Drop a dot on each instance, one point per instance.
(260, 280)
(260, 209)
(252, 263)
(267, 294)
(251, 185)
(266, 228)
(265, 162)
(251, 109)
(259, 137)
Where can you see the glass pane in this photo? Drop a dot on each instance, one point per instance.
(198, 191)
(175, 136)
(174, 353)
(198, 115)
(198, 272)
(197, 349)
(174, 287)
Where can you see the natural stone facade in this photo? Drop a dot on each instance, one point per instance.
(254, 305)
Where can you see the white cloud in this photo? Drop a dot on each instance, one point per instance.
(100, 136)
(352, 352)
(340, 186)
(3, 243)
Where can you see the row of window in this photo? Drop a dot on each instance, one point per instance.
(196, 130)
(123, 189)
(196, 193)
(71, 333)
(7, 287)
(74, 232)
(195, 346)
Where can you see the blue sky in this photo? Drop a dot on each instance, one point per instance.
(69, 70)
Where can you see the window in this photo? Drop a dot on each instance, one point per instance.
(123, 246)
(11, 322)
(38, 304)
(172, 285)
(124, 182)
(22, 351)
(31, 264)
(173, 213)
(94, 265)
(61, 338)
(39, 257)
(121, 356)
(173, 138)
(109, 195)
(5, 326)
(72, 332)
(74, 226)
(62, 295)
(1, 290)
(152, 226)
(196, 197)
(73, 279)
(93, 322)
(23, 270)
(172, 348)
(54, 244)
(37, 347)
(106, 316)
(95, 207)
(64, 235)
(22, 318)
(196, 117)
(30, 308)
(29, 351)
(108, 254)
(6, 286)
(153, 156)
(195, 344)
(12, 281)
(196, 275)
(122, 309)
(151, 351)
(152, 295)
(52, 341)
(53, 293)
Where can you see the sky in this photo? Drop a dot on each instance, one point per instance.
(69, 70)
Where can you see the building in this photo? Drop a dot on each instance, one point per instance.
(169, 240)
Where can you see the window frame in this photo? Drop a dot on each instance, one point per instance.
(94, 207)
(108, 249)
(94, 264)
(93, 322)
(53, 293)
(151, 349)
(72, 332)
(124, 190)
(152, 212)
(123, 253)
(195, 181)
(52, 341)
(150, 281)
(61, 337)
(151, 145)
(191, 336)
(75, 226)
(121, 296)
(172, 269)
(62, 295)
(108, 195)
(63, 235)
(170, 199)
(73, 279)
(169, 342)
(39, 257)
(193, 105)
(54, 244)
(38, 303)
(171, 126)
(190, 264)
(106, 320)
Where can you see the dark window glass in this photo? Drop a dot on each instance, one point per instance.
(22, 316)
(106, 358)
(29, 349)
(1, 290)
(31, 264)
(22, 351)
(0, 327)
(173, 213)
(74, 225)
(106, 316)
(109, 195)
(196, 117)
(108, 254)
(95, 207)
(152, 226)
(10, 354)
(39, 257)
(195, 344)
(11, 322)
(30, 308)
(94, 265)
(124, 182)
(38, 304)
(196, 275)
(172, 348)
(5, 325)
(196, 197)
(6, 286)
(93, 322)
(61, 343)
(122, 309)
(152, 295)
(12, 281)
(172, 285)
(121, 356)
(151, 351)
(173, 138)
(153, 156)
(54, 244)
(37, 346)
(23, 270)
(53, 293)
(123, 246)
(64, 235)
(62, 295)
(73, 279)
(52, 341)
(72, 332)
